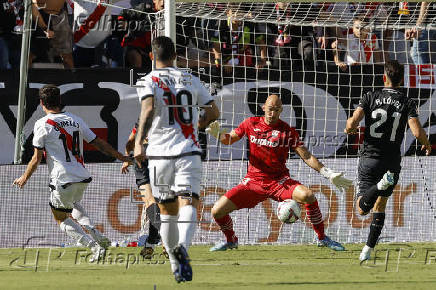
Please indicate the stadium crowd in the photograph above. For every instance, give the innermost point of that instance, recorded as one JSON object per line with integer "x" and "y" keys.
{"x": 82, "y": 33}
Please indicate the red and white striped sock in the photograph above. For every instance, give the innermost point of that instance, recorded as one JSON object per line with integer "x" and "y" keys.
{"x": 226, "y": 226}
{"x": 315, "y": 217}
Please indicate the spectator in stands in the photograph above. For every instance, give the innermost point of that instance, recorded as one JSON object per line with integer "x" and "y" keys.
{"x": 344, "y": 13}
{"x": 92, "y": 25}
{"x": 192, "y": 42}
{"x": 11, "y": 15}
{"x": 137, "y": 38}
{"x": 52, "y": 18}
{"x": 234, "y": 43}
{"x": 328, "y": 38}
{"x": 294, "y": 44}
{"x": 420, "y": 51}
{"x": 283, "y": 53}
{"x": 113, "y": 54}
{"x": 377, "y": 13}
{"x": 360, "y": 47}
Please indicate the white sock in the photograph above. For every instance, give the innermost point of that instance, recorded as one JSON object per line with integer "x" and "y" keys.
{"x": 144, "y": 221}
{"x": 367, "y": 248}
{"x": 76, "y": 232}
{"x": 81, "y": 216}
{"x": 187, "y": 225}
{"x": 170, "y": 237}
{"x": 381, "y": 185}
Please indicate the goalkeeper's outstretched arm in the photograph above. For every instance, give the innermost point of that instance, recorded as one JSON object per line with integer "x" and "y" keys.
{"x": 308, "y": 158}
{"x": 313, "y": 162}
{"x": 211, "y": 113}
{"x": 221, "y": 135}
{"x": 229, "y": 138}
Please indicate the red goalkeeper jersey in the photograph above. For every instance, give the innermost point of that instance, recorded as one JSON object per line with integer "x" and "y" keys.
{"x": 269, "y": 146}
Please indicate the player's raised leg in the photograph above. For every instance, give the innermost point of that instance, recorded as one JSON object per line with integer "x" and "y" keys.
{"x": 374, "y": 180}
{"x": 368, "y": 200}
{"x": 220, "y": 212}
{"x": 304, "y": 195}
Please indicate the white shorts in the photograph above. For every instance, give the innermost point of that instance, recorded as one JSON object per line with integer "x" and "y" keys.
{"x": 172, "y": 177}
{"x": 64, "y": 198}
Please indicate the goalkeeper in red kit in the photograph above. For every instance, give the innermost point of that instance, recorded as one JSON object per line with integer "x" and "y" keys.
{"x": 268, "y": 177}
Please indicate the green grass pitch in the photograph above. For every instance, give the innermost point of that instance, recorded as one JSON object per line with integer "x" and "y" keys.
{"x": 398, "y": 266}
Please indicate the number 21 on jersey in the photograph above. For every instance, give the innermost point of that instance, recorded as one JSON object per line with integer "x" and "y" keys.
{"x": 383, "y": 115}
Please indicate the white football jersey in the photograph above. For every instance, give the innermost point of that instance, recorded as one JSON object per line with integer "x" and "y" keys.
{"x": 61, "y": 135}
{"x": 174, "y": 129}
{"x": 359, "y": 51}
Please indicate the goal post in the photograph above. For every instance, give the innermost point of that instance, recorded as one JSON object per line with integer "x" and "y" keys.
{"x": 25, "y": 49}
{"x": 170, "y": 19}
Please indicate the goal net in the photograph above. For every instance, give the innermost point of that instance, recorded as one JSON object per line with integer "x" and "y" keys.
{"x": 320, "y": 58}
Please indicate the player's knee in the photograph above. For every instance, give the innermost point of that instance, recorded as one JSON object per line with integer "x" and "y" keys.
{"x": 379, "y": 208}
{"x": 189, "y": 200}
{"x": 380, "y": 205}
{"x": 60, "y": 216}
{"x": 362, "y": 207}
{"x": 308, "y": 196}
{"x": 215, "y": 211}
{"x": 218, "y": 211}
{"x": 362, "y": 212}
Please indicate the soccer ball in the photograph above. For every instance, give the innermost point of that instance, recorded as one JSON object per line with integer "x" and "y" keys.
{"x": 288, "y": 211}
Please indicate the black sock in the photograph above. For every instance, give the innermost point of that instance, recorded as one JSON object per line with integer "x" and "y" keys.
{"x": 153, "y": 215}
{"x": 369, "y": 198}
{"x": 378, "y": 220}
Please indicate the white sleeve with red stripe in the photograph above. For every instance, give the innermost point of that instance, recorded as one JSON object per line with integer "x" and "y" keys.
{"x": 146, "y": 88}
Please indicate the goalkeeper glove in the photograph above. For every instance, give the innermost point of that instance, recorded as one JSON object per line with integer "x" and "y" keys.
{"x": 336, "y": 178}
{"x": 215, "y": 130}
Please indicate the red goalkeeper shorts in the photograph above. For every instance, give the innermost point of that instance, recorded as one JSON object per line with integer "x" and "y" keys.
{"x": 251, "y": 191}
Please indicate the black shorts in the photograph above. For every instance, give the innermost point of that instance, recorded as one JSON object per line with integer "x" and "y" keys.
{"x": 142, "y": 174}
{"x": 371, "y": 170}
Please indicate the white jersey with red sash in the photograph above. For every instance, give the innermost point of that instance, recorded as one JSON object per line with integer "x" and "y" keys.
{"x": 61, "y": 135}
{"x": 177, "y": 95}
